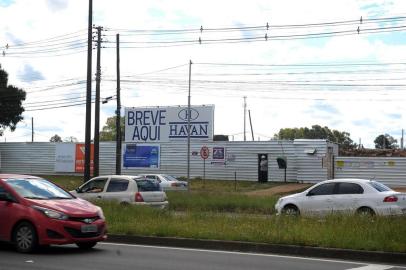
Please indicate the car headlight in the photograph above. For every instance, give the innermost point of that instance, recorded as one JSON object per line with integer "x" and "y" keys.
{"x": 51, "y": 213}
{"x": 100, "y": 213}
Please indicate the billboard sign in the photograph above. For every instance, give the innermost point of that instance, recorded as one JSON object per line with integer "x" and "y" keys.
{"x": 70, "y": 157}
{"x": 141, "y": 156}
{"x": 164, "y": 124}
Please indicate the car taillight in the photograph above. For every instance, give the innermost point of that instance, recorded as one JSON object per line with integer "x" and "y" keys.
{"x": 138, "y": 197}
{"x": 390, "y": 199}
{"x": 174, "y": 184}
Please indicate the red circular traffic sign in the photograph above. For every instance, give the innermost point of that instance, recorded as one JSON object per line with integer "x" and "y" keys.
{"x": 204, "y": 152}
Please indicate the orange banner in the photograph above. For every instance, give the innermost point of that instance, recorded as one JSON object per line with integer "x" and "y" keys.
{"x": 80, "y": 158}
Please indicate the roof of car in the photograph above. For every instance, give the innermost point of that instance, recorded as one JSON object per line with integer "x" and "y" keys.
{"x": 349, "y": 180}
{"x": 18, "y": 176}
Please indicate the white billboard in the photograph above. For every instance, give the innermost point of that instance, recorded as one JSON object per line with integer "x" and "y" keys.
{"x": 64, "y": 157}
{"x": 163, "y": 124}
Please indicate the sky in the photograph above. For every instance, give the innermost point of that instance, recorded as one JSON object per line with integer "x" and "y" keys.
{"x": 298, "y": 63}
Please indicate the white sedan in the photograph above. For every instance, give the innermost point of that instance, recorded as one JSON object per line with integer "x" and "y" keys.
{"x": 344, "y": 196}
{"x": 126, "y": 189}
{"x": 167, "y": 182}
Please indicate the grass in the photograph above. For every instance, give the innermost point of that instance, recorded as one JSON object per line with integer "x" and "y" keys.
{"x": 221, "y": 202}
{"x": 350, "y": 232}
{"x": 215, "y": 210}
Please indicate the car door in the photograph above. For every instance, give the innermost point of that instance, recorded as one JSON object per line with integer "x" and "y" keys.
{"x": 8, "y": 214}
{"x": 93, "y": 189}
{"x": 318, "y": 200}
{"x": 119, "y": 189}
{"x": 347, "y": 197}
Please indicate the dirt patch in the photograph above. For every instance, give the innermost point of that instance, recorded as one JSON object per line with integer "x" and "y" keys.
{"x": 282, "y": 189}
{"x": 400, "y": 189}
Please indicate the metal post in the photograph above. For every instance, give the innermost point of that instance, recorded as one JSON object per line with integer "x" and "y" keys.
{"x": 32, "y": 129}
{"x": 118, "y": 113}
{"x": 188, "y": 123}
{"x": 88, "y": 94}
{"x": 235, "y": 181}
{"x": 252, "y": 129}
{"x": 245, "y": 116}
{"x": 97, "y": 109}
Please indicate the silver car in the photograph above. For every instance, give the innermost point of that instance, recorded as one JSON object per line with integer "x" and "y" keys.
{"x": 126, "y": 189}
{"x": 168, "y": 182}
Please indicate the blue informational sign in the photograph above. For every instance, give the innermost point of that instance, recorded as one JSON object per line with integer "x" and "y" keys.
{"x": 141, "y": 156}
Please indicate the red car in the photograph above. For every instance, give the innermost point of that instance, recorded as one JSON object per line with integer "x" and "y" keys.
{"x": 34, "y": 212}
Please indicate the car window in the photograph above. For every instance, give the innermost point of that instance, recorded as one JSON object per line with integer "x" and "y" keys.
{"x": 117, "y": 185}
{"x": 148, "y": 185}
{"x": 379, "y": 186}
{"x": 151, "y": 176}
{"x": 349, "y": 188}
{"x": 94, "y": 186}
{"x": 169, "y": 177}
{"x": 323, "y": 189}
{"x": 40, "y": 189}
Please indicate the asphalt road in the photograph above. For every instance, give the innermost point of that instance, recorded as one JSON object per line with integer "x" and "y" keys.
{"x": 135, "y": 257}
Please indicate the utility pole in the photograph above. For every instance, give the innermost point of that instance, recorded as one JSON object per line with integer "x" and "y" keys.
{"x": 402, "y": 139}
{"x": 245, "y": 116}
{"x": 32, "y": 129}
{"x": 252, "y": 130}
{"x": 97, "y": 108}
{"x": 188, "y": 123}
{"x": 118, "y": 113}
{"x": 88, "y": 93}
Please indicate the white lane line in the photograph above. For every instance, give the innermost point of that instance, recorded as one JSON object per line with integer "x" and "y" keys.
{"x": 250, "y": 254}
{"x": 373, "y": 267}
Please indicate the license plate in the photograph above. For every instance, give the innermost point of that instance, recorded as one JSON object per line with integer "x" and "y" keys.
{"x": 88, "y": 228}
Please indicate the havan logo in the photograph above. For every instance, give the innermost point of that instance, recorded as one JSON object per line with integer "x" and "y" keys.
{"x": 180, "y": 129}
{"x": 184, "y": 114}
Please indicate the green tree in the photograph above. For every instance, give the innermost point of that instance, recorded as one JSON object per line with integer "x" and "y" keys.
{"x": 55, "y": 138}
{"x": 11, "y": 99}
{"x": 108, "y": 132}
{"x": 385, "y": 141}
{"x": 317, "y": 132}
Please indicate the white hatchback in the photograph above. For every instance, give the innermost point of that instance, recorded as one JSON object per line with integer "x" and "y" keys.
{"x": 344, "y": 196}
{"x": 126, "y": 189}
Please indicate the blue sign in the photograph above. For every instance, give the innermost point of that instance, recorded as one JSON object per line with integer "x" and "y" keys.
{"x": 141, "y": 156}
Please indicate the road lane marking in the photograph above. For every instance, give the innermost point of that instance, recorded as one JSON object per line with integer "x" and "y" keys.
{"x": 244, "y": 253}
{"x": 373, "y": 267}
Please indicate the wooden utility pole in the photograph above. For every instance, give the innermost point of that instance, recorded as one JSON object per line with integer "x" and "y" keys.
{"x": 88, "y": 94}
{"x": 188, "y": 123}
{"x": 97, "y": 108}
{"x": 118, "y": 113}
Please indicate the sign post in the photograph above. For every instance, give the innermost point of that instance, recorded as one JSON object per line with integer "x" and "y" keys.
{"x": 204, "y": 153}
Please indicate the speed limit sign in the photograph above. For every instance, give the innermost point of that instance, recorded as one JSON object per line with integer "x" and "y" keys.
{"x": 204, "y": 152}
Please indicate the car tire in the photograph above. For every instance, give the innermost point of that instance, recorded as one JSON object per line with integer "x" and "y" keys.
{"x": 365, "y": 212}
{"x": 290, "y": 210}
{"x": 25, "y": 237}
{"x": 86, "y": 245}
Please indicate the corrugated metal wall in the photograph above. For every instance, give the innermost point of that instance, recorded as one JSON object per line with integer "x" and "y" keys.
{"x": 388, "y": 170}
{"x": 39, "y": 158}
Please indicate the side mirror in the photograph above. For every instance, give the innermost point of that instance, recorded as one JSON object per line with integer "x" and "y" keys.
{"x": 310, "y": 193}
{"x": 4, "y": 196}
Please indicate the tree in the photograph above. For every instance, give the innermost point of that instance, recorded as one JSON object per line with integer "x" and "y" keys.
{"x": 55, "y": 138}
{"x": 385, "y": 142}
{"x": 220, "y": 138}
{"x": 317, "y": 132}
{"x": 11, "y": 99}
{"x": 108, "y": 132}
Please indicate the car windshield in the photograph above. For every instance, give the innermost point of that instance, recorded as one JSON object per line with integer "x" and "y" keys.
{"x": 169, "y": 177}
{"x": 39, "y": 189}
{"x": 147, "y": 185}
{"x": 379, "y": 186}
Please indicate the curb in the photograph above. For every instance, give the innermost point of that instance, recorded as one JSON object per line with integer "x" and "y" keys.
{"x": 291, "y": 250}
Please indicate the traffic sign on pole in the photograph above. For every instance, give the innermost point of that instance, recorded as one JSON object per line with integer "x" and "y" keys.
{"x": 204, "y": 152}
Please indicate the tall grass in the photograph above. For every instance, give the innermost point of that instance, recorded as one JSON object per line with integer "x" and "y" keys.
{"x": 221, "y": 202}
{"x": 351, "y": 232}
